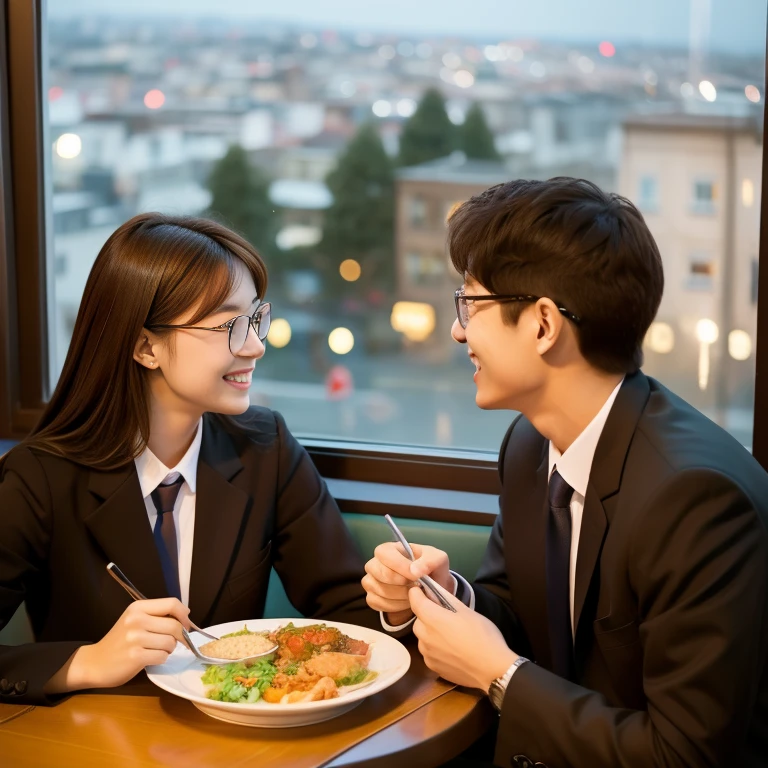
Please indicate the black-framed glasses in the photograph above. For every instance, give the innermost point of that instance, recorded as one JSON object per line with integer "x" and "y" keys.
{"x": 462, "y": 312}
{"x": 238, "y": 327}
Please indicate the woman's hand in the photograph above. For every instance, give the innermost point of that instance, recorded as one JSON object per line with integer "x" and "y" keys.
{"x": 390, "y": 574}
{"x": 145, "y": 634}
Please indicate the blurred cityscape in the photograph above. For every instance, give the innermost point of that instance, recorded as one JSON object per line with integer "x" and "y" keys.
{"x": 341, "y": 154}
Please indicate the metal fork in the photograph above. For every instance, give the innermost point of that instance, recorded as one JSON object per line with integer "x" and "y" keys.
{"x": 426, "y": 582}
{"x": 128, "y": 586}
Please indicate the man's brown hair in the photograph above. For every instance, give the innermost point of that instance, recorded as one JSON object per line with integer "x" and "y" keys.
{"x": 567, "y": 240}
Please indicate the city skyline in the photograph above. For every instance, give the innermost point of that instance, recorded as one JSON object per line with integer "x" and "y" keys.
{"x": 730, "y": 25}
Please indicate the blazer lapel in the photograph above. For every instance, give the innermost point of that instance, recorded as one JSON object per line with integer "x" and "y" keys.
{"x": 220, "y": 510}
{"x": 525, "y": 530}
{"x": 120, "y": 526}
{"x": 605, "y": 480}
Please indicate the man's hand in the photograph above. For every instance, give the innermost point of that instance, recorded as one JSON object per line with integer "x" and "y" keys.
{"x": 145, "y": 634}
{"x": 463, "y": 647}
{"x": 390, "y": 574}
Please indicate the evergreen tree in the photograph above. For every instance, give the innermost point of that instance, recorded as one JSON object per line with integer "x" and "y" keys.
{"x": 359, "y": 224}
{"x": 240, "y": 199}
{"x": 475, "y": 137}
{"x": 429, "y": 133}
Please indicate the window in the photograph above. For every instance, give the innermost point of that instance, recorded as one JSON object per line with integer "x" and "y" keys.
{"x": 139, "y": 113}
{"x": 417, "y": 212}
{"x": 703, "y": 197}
{"x": 648, "y": 194}
{"x": 701, "y": 270}
{"x": 424, "y": 268}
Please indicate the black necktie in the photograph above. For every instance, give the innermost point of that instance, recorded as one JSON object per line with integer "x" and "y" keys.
{"x": 164, "y": 498}
{"x": 558, "y": 575}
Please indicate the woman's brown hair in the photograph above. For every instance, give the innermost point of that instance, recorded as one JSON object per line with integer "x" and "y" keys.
{"x": 152, "y": 270}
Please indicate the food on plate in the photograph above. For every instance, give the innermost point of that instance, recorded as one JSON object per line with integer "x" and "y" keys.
{"x": 237, "y": 646}
{"x": 311, "y": 664}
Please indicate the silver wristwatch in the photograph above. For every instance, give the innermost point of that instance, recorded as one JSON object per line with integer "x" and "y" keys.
{"x": 499, "y": 685}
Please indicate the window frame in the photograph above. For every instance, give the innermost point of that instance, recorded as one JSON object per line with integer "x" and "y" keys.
{"x": 24, "y": 377}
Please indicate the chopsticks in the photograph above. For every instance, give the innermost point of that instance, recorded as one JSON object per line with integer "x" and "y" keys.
{"x": 426, "y": 583}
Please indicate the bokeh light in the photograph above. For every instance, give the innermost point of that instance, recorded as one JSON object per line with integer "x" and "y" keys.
{"x": 707, "y": 90}
{"x": 154, "y": 99}
{"x": 707, "y": 331}
{"x": 341, "y": 340}
{"x": 414, "y": 319}
{"x": 739, "y": 345}
{"x": 350, "y": 270}
{"x": 279, "y": 333}
{"x": 660, "y": 338}
{"x": 752, "y": 92}
{"x": 607, "y": 49}
{"x": 68, "y": 145}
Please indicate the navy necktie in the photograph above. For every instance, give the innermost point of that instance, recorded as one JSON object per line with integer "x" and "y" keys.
{"x": 558, "y": 575}
{"x": 164, "y": 498}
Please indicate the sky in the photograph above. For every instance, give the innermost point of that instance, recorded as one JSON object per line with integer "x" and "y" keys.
{"x": 734, "y": 25}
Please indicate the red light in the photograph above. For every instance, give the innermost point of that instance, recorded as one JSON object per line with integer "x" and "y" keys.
{"x": 154, "y": 99}
{"x": 606, "y": 49}
{"x": 55, "y": 92}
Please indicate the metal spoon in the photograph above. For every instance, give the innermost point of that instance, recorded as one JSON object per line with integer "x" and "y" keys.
{"x": 128, "y": 586}
{"x": 223, "y": 662}
{"x": 426, "y": 582}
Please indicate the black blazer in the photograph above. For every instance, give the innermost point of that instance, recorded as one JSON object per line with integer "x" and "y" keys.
{"x": 671, "y": 596}
{"x": 260, "y": 503}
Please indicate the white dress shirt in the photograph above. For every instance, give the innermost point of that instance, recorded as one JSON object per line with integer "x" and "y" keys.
{"x": 151, "y": 473}
{"x": 574, "y": 467}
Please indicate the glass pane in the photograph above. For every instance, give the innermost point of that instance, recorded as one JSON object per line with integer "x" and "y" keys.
{"x": 305, "y": 109}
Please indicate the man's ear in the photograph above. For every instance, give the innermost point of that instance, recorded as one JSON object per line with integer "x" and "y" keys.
{"x": 550, "y": 325}
{"x": 143, "y": 353}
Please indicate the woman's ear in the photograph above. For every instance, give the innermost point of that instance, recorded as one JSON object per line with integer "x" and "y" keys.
{"x": 143, "y": 352}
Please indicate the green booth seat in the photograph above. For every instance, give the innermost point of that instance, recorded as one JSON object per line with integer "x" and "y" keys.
{"x": 464, "y": 543}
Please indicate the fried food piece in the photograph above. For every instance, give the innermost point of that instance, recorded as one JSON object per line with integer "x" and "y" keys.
{"x": 336, "y": 665}
{"x": 324, "y": 689}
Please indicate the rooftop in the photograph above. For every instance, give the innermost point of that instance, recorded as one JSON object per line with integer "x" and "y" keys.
{"x": 685, "y": 121}
{"x": 457, "y": 168}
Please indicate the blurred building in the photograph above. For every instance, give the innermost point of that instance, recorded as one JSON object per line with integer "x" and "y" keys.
{"x": 696, "y": 180}
{"x": 425, "y": 196}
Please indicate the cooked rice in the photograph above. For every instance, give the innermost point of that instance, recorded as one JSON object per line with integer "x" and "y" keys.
{"x": 237, "y": 647}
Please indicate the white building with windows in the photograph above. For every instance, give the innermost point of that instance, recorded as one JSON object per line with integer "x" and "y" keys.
{"x": 696, "y": 179}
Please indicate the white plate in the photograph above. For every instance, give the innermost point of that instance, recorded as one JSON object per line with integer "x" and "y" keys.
{"x": 181, "y": 674}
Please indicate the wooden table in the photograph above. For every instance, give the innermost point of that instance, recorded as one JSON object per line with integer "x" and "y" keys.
{"x": 140, "y": 725}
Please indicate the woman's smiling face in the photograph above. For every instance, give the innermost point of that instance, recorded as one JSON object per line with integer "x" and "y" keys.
{"x": 194, "y": 370}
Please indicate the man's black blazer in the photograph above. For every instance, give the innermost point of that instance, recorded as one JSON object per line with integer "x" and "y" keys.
{"x": 260, "y": 503}
{"x": 671, "y": 596}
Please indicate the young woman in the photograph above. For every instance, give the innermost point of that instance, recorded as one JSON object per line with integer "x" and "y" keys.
{"x": 149, "y": 456}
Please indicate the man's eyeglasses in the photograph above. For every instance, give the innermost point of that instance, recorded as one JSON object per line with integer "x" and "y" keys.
{"x": 462, "y": 312}
{"x": 237, "y": 327}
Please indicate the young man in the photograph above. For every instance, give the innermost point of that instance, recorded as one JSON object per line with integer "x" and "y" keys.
{"x": 621, "y": 612}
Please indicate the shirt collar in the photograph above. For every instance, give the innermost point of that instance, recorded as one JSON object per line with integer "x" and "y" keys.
{"x": 576, "y": 463}
{"x": 152, "y": 471}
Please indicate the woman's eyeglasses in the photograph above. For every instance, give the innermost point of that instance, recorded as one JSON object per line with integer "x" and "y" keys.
{"x": 462, "y": 311}
{"x": 238, "y": 327}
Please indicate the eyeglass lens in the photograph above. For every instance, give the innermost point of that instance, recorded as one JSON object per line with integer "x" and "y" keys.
{"x": 462, "y": 311}
{"x": 238, "y": 333}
